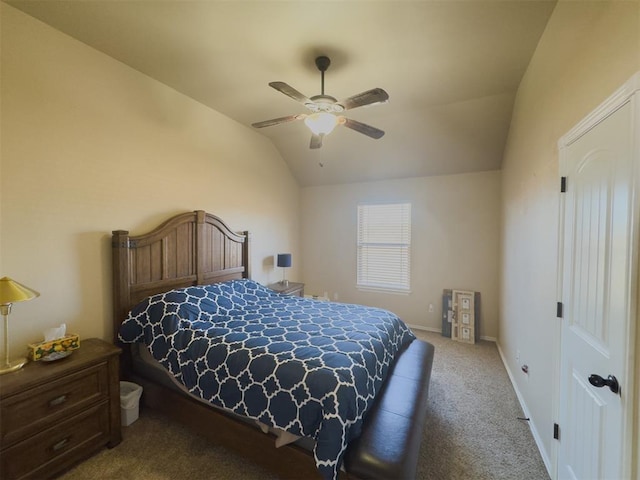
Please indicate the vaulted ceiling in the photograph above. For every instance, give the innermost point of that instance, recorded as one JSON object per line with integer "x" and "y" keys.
{"x": 451, "y": 69}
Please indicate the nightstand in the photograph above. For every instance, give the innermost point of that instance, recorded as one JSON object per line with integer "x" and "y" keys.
{"x": 292, "y": 288}
{"x": 53, "y": 414}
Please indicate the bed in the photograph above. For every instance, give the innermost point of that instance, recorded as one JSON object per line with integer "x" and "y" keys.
{"x": 327, "y": 373}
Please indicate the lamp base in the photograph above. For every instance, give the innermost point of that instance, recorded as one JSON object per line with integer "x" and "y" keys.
{"x": 13, "y": 366}
{"x": 284, "y": 282}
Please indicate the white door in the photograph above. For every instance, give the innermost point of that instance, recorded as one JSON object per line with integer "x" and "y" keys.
{"x": 598, "y": 277}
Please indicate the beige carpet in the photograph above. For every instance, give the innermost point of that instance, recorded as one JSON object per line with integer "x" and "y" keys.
{"x": 472, "y": 432}
{"x": 472, "y": 429}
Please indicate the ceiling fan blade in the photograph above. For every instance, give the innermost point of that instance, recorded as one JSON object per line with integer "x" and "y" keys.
{"x": 368, "y": 130}
{"x": 316, "y": 141}
{"x": 375, "y": 95}
{"x": 278, "y": 121}
{"x": 289, "y": 91}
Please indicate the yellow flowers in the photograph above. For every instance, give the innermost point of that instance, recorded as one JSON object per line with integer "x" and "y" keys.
{"x": 65, "y": 344}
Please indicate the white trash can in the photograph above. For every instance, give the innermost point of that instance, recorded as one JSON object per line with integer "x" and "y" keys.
{"x": 130, "y": 394}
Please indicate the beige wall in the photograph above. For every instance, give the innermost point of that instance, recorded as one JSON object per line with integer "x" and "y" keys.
{"x": 90, "y": 145}
{"x": 587, "y": 51}
{"x": 454, "y": 244}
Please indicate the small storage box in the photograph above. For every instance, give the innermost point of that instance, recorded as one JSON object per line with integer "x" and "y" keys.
{"x": 130, "y": 394}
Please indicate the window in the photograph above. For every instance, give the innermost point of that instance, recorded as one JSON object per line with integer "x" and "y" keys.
{"x": 384, "y": 240}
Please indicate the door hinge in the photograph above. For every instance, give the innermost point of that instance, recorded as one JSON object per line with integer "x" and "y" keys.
{"x": 559, "y": 310}
{"x": 563, "y": 184}
{"x": 556, "y": 431}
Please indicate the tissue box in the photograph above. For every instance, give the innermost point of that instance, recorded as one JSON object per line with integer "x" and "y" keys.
{"x": 68, "y": 343}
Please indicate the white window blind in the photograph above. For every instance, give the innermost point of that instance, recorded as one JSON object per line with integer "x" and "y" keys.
{"x": 384, "y": 241}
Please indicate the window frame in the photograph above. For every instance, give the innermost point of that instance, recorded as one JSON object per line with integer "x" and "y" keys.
{"x": 402, "y": 245}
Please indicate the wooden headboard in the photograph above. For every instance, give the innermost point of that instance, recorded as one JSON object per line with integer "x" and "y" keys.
{"x": 193, "y": 248}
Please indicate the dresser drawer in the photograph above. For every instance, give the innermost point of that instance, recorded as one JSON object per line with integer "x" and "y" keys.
{"x": 57, "y": 447}
{"x": 35, "y": 409}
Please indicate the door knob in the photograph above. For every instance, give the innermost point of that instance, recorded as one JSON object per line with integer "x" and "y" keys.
{"x": 610, "y": 381}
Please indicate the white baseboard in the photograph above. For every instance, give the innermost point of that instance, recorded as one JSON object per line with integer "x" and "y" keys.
{"x": 439, "y": 330}
{"x": 532, "y": 427}
{"x": 425, "y": 329}
{"x": 489, "y": 339}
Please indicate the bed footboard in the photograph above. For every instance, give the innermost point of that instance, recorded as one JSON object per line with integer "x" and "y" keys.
{"x": 393, "y": 429}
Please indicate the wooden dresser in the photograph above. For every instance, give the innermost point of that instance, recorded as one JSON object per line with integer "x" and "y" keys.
{"x": 54, "y": 414}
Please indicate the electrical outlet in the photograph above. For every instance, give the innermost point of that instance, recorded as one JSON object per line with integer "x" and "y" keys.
{"x": 518, "y": 355}
{"x": 431, "y": 308}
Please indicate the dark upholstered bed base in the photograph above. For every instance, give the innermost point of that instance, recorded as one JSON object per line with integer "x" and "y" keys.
{"x": 390, "y": 442}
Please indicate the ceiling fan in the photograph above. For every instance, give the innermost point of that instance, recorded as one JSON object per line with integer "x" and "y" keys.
{"x": 325, "y": 109}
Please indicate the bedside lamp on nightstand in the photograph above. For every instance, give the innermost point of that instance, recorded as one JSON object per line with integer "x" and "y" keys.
{"x": 284, "y": 261}
{"x": 10, "y": 293}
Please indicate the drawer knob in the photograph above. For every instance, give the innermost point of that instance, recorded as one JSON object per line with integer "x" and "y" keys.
{"x": 58, "y": 400}
{"x": 61, "y": 444}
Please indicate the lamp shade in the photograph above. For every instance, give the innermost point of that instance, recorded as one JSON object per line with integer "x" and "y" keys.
{"x": 12, "y": 292}
{"x": 321, "y": 123}
{"x": 284, "y": 259}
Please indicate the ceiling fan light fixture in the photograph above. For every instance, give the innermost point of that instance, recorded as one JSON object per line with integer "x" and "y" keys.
{"x": 321, "y": 123}
{"x": 326, "y": 110}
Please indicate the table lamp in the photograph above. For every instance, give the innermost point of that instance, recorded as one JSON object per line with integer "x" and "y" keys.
{"x": 10, "y": 293}
{"x": 284, "y": 261}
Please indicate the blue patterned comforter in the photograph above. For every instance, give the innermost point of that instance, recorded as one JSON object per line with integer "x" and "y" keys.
{"x": 308, "y": 367}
